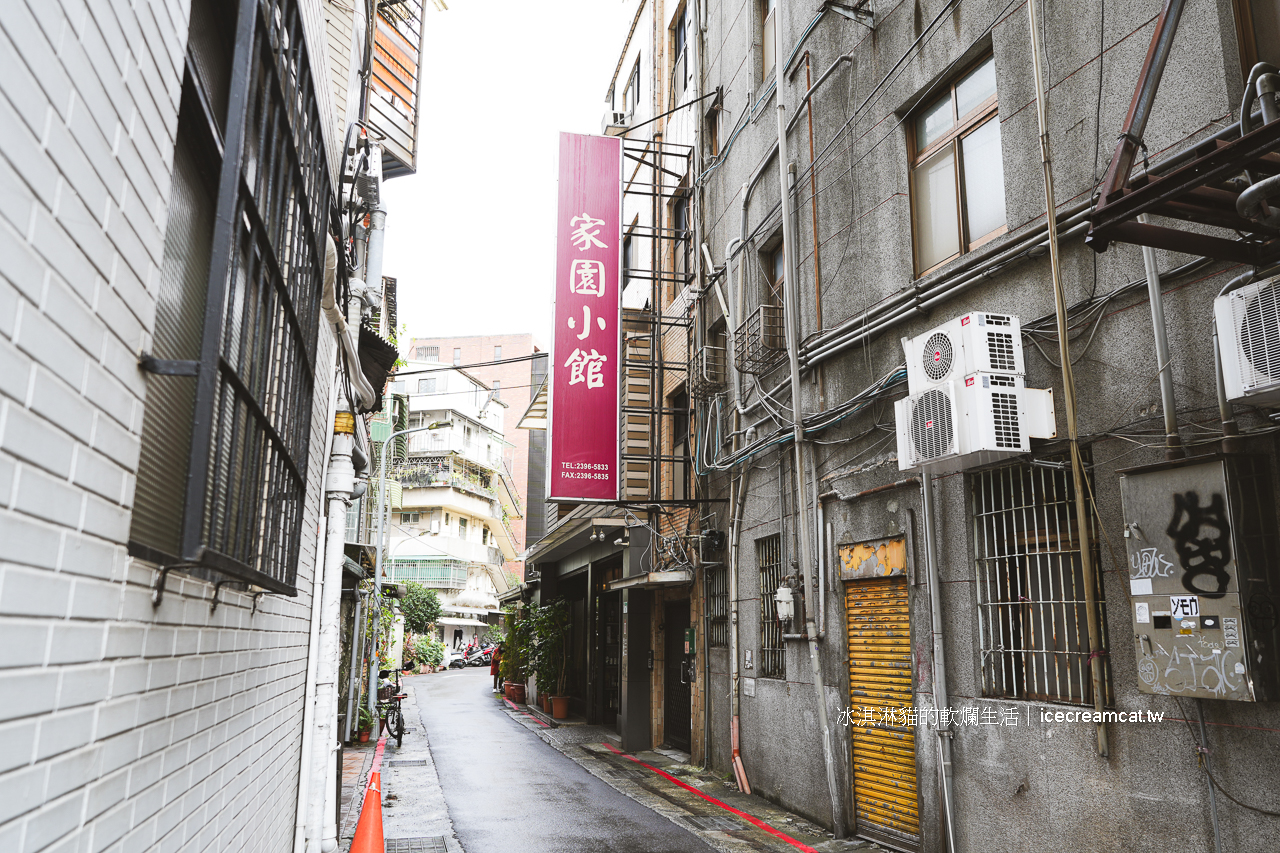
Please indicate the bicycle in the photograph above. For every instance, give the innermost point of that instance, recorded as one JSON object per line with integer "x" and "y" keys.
{"x": 389, "y": 711}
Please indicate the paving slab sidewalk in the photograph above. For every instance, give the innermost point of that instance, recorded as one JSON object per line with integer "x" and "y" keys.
{"x": 414, "y": 815}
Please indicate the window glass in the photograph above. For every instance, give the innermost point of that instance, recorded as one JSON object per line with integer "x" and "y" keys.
{"x": 933, "y": 123}
{"x": 426, "y": 386}
{"x": 462, "y": 528}
{"x": 934, "y": 209}
{"x": 497, "y": 353}
{"x": 983, "y": 180}
{"x": 457, "y": 355}
{"x": 766, "y": 37}
{"x": 976, "y": 87}
{"x": 397, "y": 387}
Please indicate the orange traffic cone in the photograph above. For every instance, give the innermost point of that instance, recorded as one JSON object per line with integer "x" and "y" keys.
{"x": 368, "y": 837}
{"x": 369, "y": 830}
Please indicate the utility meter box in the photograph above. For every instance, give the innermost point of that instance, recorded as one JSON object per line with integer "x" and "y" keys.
{"x": 1204, "y": 573}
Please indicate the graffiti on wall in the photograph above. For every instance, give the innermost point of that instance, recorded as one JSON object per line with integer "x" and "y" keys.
{"x": 1201, "y": 539}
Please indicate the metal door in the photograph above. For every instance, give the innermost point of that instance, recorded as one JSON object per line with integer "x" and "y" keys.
{"x": 676, "y": 698}
{"x": 885, "y": 790}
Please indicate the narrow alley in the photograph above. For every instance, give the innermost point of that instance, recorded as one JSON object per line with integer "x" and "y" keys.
{"x": 489, "y": 775}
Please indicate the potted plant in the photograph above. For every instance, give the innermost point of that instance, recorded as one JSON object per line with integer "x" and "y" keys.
{"x": 515, "y": 656}
{"x": 366, "y": 724}
{"x": 553, "y": 656}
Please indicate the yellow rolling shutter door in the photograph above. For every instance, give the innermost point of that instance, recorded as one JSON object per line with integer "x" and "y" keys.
{"x": 885, "y": 789}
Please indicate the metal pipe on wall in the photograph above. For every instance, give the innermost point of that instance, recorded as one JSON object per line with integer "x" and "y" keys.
{"x": 1230, "y": 429}
{"x": 792, "y": 325}
{"x": 313, "y": 651}
{"x": 1096, "y": 647}
{"x": 940, "y": 699}
{"x": 322, "y": 830}
{"x": 353, "y": 669}
{"x": 1173, "y": 441}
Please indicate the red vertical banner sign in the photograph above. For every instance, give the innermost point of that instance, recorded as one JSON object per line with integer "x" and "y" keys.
{"x": 586, "y": 352}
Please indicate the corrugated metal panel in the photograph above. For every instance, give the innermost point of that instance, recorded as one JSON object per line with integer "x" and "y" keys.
{"x": 885, "y": 790}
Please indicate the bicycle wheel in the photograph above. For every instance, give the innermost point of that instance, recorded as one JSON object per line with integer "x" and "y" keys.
{"x": 399, "y": 727}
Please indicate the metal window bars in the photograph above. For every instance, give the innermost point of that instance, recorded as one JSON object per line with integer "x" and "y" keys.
{"x": 718, "y": 606}
{"x": 773, "y": 657}
{"x": 246, "y": 473}
{"x": 1030, "y": 587}
{"x": 760, "y": 340}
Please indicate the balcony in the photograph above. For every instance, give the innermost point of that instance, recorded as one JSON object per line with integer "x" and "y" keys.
{"x": 393, "y": 101}
{"x": 434, "y": 574}
{"x": 439, "y": 443}
{"x": 761, "y": 340}
{"x": 444, "y": 471}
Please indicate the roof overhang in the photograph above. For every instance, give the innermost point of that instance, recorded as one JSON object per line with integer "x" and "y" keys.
{"x": 653, "y": 580}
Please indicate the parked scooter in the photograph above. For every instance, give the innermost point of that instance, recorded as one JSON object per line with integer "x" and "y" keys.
{"x": 482, "y": 656}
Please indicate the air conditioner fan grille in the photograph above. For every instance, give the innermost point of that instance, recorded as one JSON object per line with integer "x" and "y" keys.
{"x": 1260, "y": 332}
{"x": 932, "y": 430}
{"x": 938, "y": 355}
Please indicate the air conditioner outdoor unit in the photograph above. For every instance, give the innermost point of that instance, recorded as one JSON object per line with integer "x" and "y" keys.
{"x": 435, "y": 526}
{"x": 615, "y": 122}
{"x": 970, "y": 422}
{"x": 977, "y": 342}
{"x": 1248, "y": 321}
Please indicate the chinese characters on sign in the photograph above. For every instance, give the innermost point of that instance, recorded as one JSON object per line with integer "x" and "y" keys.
{"x": 585, "y": 355}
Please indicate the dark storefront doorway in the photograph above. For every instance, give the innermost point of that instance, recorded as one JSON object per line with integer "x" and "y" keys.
{"x": 608, "y": 695}
{"x": 676, "y": 689}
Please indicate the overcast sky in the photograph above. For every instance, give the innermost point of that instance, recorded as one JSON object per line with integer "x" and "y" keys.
{"x": 471, "y": 236}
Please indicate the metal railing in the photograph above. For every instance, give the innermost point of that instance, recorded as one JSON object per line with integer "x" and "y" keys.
{"x": 760, "y": 342}
{"x": 707, "y": 372}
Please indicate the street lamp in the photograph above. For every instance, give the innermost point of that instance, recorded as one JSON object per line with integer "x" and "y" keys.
{"x": 377, "y": 565}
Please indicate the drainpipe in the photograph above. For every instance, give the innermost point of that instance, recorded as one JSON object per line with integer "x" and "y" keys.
{"x": 1096, "y": 648}
{"x": 737, "y": 497}
{"x": 792, "y": 317}
{"x": 1208, "y": 769}
{"x": 940, "y": 699}
{"x": 305, "y": 784}
{"x": 1230, "y": 430}
{"x": 322, "y": 829}
{"x": 353, "y": 669}
{"x": 1173, "y": 441}
{"x": 735, "y": 694}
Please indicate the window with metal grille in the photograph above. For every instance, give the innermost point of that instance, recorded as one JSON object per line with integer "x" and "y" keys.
{"x": 773, "y": 657}
{"x": 1031, "y": 600}
{"x": 227, "y": 426}
{"x": 718, "y": 606}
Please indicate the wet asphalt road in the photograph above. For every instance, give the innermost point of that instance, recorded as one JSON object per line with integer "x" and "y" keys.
{"x": 507, "y": 790}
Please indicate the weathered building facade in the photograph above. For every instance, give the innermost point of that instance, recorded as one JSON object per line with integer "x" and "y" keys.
{"x": 960, "y": 627}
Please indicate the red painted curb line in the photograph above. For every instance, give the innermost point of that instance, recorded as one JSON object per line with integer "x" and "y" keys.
{"x": 526, "y": 713}
{"x": 749, "y": 818}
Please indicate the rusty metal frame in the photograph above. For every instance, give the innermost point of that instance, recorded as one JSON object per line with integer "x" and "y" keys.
{"x": 1195, "y": 189}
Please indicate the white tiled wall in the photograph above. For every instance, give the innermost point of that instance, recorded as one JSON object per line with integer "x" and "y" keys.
{"x": 125, "y": 727}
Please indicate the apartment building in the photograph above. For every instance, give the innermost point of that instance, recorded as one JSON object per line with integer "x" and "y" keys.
{"x": 168, "y": 415}
{"x": 505, "y": 363}
{"x": 958, "y": 605}
{"x": 453, "y": 530}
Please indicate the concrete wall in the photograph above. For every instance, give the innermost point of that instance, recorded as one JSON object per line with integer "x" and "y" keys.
{"x": 1037, "y": 786}
{"x": 127, "y": 727}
